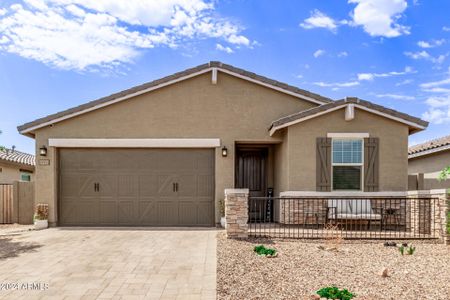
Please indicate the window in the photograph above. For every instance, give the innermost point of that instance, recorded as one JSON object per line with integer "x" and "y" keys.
{"x": 25, "y": 177}
{"x": 347, "y": 164}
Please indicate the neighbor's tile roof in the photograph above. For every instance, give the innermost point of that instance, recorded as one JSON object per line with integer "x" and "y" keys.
{"x": 15, "y": 156}
{"x": 429, "y": 147}
{"x": 169, "y": 78}
{"x": 325, "y": 107}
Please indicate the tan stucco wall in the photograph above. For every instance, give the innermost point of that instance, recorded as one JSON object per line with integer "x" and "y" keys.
{"x": 10, "y": 173}
{"x": 393, "y": 152}
{"x": 233, "y": 110}
{"x": 430, "y": 165}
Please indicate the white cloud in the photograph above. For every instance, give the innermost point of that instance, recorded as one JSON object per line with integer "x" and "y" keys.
{"x": 3, "y": 11}
{"x": 371, "y": 76}
{"x": 439, "y": 109}
{"x": 336, "y": 84}
{"x": 342, "y": 54}
{"x": 435, "y": 83}
{"x": 426, "y": 56}
{"x": 318, "y": 53}
{"x": 446, "y": 28}
{"x": 85, "y": 34}
{"x": 224, "y": 48}
{"x": 437, "y": 90}
{"x": 320, "y": 20}
{"x": 404, "y": 82}
{"x": 430, "y": 44}
{"x": 299, "y": 76}
{"x": 395, "y": 96}
{"x": 380, "y": 17}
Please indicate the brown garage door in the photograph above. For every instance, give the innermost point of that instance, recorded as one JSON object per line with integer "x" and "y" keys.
{"x": 132, "y": 187}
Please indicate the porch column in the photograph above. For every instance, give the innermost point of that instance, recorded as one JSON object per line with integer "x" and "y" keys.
{"x": 236, "y": 213}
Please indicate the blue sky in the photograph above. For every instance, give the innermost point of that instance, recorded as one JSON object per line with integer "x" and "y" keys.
{"x": 55, "y": 54}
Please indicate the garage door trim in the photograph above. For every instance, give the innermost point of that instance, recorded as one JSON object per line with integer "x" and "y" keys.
{"x": 135, "y": 143}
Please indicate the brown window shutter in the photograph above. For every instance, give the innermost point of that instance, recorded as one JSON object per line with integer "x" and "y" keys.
{"x": 323, "y": 164}
{"x": 371, "y": 164}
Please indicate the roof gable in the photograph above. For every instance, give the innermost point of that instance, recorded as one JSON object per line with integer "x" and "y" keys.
{"x": 415, "y": 124}
{"x": 213, "y": 67}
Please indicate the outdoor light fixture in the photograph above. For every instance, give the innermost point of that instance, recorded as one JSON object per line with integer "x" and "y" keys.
{"x": 43, "y": 151}
{"x": 224, "y": 151}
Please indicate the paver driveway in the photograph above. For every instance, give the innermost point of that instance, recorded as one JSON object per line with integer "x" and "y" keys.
{"x": 112, "y": 263}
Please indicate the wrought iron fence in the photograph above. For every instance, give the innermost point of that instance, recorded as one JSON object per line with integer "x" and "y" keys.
{"x": 349, "y": 217}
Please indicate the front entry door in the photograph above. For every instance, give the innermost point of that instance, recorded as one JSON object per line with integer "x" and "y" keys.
{"x": 251, "y": 170}
{"x": 251, "y": 173}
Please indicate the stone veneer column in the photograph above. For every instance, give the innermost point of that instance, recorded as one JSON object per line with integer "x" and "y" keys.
{"x": 236, "y": 213}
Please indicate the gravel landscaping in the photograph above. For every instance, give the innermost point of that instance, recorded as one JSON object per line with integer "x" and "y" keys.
{"x": 302, "y": 268}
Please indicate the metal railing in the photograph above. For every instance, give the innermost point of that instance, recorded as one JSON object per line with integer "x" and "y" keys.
{"x": 349, "y": 217}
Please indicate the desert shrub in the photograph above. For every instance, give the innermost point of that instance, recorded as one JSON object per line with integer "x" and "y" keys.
{"x": 261, "y": 250}
{"x": 332, "y": 292}
{"x": 41, "y": 212}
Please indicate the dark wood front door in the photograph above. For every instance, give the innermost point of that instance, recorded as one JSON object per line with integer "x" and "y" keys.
{"x": 251, "y": 170}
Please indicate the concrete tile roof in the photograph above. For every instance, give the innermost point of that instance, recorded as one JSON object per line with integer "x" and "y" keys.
{"x": 432, "y": 146}
{"x": 18, "y": 157}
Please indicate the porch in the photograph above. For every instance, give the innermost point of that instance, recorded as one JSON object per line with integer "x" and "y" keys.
{"x": 412, "y": 216}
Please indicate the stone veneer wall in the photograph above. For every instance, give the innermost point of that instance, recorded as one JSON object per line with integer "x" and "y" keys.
{"x": 236, "y": 213}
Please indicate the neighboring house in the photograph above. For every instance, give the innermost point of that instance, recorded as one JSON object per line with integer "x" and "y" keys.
{"x": 162, "y": 153}
{"x": 429, "y": 159}
{"x": 15, "y": 166}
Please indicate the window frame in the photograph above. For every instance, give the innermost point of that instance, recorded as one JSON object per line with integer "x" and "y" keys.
{"x": 25, "y": 174}
{"x": 347, "y": 164}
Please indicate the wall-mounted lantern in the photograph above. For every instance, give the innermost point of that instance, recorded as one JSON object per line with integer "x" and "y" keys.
{"x": 43, "y": 151}
{"x": 224, "y": 151}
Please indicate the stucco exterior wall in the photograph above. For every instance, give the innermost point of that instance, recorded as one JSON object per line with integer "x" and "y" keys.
{"x": 393, "y": 151}
{"x": 233, "y": 110}
{"x": 430, "y": 165}
{"x": 10, "y": 173}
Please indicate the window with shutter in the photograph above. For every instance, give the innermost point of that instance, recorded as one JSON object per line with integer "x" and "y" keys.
{"x": 347, "y": 163}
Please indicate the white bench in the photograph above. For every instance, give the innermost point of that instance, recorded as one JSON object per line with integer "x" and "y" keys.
{"x": 353, "y": 209}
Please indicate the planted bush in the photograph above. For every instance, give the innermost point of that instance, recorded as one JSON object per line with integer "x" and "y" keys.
{"x": 262, "y": 250}
{"x": 333, "y": 292}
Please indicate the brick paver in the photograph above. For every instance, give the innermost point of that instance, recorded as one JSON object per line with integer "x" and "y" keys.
{"x": 113, "y": 263}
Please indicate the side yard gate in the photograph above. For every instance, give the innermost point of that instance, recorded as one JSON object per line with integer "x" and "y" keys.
{"x": 17, "y": 203}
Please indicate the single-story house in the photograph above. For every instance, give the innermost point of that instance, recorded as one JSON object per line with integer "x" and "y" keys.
{"x": 426, "y": 161}
{"x": 162, "y": 153}
{"x": 15, "y": 166}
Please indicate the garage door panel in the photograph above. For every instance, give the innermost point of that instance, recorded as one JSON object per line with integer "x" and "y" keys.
{"x": 148, "y": 185}
{"x": 168, "y": 212}
{"x": 165, "y": 185}
{"x": 148, "y": 213}
{"x": 188, "y": 212}
{"x": 108, "y": 213}
{"x": 126, "y": 212}
{"x": 187, "y": 185}
{"x": 127, "y": 185}
{"x": 205, "y": 208}
{"x": 136, "y": 187}
{"x": 205, "y": 185}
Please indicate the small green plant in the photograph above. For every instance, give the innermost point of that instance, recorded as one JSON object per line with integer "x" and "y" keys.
{"x": 407, "y": 249}
{"x": 445, "y": 173}
{"x": 332, "y": 292}
{"x": 448, "y": 222}
{"x": 261, "y": 250}
{"x": 222, "y": 207}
